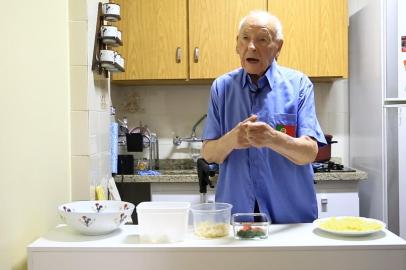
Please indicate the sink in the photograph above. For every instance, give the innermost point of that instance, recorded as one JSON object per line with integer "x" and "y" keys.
{"x": 178, "y": 172}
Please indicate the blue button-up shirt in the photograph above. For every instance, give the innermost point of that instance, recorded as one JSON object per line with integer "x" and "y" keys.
{"x": 282, "y": 189}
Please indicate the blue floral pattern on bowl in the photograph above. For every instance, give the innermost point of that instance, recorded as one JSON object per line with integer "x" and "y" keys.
{"x": 66, "y": 209}
{"x": 98, "y": 207}
{"x": 121, "y": 218}
{"x": 125, "y": 207}
{"x": 86, "y": 221}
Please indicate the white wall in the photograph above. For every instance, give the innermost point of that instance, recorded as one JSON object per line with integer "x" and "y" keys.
{"x": 34, "y": 138}
{"x": 171, "y": 110}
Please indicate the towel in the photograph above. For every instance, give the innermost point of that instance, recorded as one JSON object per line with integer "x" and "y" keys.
{"x": 115, "y": 195}
{"x": 148, "y": 172}
{"x": 114, "y": 146}
{"x": 113, "y": 191}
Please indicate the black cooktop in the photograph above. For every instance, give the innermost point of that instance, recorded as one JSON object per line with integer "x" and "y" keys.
{"x": 330, "y": 166}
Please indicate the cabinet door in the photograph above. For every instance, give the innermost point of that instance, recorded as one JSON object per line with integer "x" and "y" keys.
{"x": 334, "y": 204}
{"x": 152, "y": 32}
{"x": 180, "y": 192}
{"x": 213, "y": 28}
{"x": 315, "y": 36}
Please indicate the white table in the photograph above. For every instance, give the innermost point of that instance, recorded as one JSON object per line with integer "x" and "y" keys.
{"x": 294, "y": 246}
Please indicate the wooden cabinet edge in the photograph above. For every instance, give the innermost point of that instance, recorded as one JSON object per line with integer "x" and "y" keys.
{"x": 314, "y": 79}
{"x": 163, "y": 82}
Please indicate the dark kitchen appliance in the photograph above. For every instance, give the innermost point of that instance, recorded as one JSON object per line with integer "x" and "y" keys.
{"x": 330, "y": 166}
{"x": 135, "y": 142}
{"x": 125, "y": 164}
{"x": 205, "y": 170}
{"x": 324, "y": 153}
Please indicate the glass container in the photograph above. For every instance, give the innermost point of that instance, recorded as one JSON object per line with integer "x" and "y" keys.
{"x": 250, "y": 225}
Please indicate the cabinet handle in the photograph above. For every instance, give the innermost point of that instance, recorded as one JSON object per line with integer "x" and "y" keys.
{"x": 178, "y": 55}
{"x": 196, "y": 55}
{"x": 324, "y": 203}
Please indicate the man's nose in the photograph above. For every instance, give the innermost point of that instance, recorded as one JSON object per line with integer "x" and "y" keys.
{"x": 251, "y": 45}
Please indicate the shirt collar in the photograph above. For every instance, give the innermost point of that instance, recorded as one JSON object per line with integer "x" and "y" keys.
{"x": 269, "y": 78}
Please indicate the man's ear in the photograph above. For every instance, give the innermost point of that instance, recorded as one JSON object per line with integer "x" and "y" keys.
{"x": 279, "y": 48}
{"x": 236, "y": 45}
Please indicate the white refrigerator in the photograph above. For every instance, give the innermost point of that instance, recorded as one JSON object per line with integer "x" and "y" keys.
{"x": 377, "y": 92}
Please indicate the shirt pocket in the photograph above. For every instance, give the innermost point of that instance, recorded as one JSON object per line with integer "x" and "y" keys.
{"x": 283, "y": 122}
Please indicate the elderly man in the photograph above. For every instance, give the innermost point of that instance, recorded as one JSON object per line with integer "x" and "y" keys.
{"x": 262, "y": 129}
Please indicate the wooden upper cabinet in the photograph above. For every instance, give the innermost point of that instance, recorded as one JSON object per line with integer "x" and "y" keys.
{"x": 196, "y": 39}
{"x": 315, "y": 36}
{"x": 213, "y": 28}
{"x": 153, "y": 32}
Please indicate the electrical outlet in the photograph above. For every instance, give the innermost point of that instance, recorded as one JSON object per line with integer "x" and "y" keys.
{"x": 103, "y": 102}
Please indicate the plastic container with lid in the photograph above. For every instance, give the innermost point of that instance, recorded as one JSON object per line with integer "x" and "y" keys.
{"x": 211, "y": 220}
{"x": 250, "y": 225}
{"x": 161, "y": 222}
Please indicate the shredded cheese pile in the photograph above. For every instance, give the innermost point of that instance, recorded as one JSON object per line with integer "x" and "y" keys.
{"x": 211, "y": 230}
{"x": 352, "y": 224}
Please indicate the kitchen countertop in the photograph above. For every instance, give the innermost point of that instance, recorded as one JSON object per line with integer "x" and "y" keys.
{"x": 190, "y": 176}
{"x": 291, "y": 246}
{"x": 185, "y": 172}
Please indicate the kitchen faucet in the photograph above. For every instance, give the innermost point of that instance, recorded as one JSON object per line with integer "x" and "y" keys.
{"x": 178, "y": 140}
{"x": 122, "y": 131}
{"x": 123, "y": 125}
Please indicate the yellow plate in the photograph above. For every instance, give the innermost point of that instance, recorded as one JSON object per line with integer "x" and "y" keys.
{"x": 349, "y": 226}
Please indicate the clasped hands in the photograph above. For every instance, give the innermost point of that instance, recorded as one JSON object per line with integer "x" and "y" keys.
{"x": 253, "y": 133}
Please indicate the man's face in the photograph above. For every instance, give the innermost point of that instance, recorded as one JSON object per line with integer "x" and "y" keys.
{"x": 257, "y": 46}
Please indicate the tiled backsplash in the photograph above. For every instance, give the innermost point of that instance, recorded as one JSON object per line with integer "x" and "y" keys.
{"x": 90, "y": 105}
{"x": 171, "y": 110}
{"x": 332, "y": 107}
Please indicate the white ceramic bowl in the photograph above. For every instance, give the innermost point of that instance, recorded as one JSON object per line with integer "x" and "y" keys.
{"x": 95, "y": 217}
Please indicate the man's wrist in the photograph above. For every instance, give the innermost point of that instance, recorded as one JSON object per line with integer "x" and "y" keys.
{"x": 276, "y": 139}
{"x": 228, "y": 141}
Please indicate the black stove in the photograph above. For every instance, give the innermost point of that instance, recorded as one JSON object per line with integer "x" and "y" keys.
{"x": 330, "y": 166}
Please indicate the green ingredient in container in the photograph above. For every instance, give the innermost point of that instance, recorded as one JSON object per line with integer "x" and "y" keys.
{"x": 250, "y": 232}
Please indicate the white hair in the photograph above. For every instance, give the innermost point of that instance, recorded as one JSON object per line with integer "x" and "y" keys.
{"x": 267, "y": 17}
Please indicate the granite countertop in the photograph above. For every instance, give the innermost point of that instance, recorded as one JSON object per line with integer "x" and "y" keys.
{"x": 185, "y": 172}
